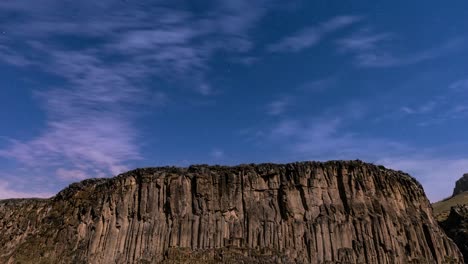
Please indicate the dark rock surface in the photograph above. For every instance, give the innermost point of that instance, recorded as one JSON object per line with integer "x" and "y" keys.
{"x": 461, "y": 185}
{"x": 456, "y": 227}
{"x": 307, "y": 212}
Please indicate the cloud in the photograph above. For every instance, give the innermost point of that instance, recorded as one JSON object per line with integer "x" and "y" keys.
{"x": 73, "y": 175}
{"x": 446, "y": 105}
{"x": 217, "y": 154}
{"x": 422, "y": 109}
{"x": 89, "y": 125}
{"x": 327, "y": 138}
{"x": 332, "y": 135}
{"x": 374, "y": 50}
{"x": 103, "y": 55}
{"x": 437, "y": 174}
{"x": 279, "y": 106}
{"x": 311, "y": 36}
{"x": 7, "y": 192}
{"x": 324, "y": 139}
{"x": 100, "y": 144}
{"x": 459, "y": 86}
{"x": 318, "y": 85}
{"x": 170, "y": 42}
{"x": 205, "y": 89}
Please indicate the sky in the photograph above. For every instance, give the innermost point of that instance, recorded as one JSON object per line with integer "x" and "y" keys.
{"x": 95, "y": 88}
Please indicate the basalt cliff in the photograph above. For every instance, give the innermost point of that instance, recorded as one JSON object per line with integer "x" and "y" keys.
{"x": 307, "y": 212}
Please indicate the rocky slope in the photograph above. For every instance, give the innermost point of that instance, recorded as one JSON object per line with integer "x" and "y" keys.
{"x": 308, "y": 212}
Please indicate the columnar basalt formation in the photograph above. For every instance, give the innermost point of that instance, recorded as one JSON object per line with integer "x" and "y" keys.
{"x": 307, "y": 212}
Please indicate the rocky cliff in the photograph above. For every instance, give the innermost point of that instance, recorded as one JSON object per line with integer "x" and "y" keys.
{"x": 456, "y": 227}
{"x": 452, "y": 214}
{"x": 308, "y": 212}
{"x": 461, "y": 185}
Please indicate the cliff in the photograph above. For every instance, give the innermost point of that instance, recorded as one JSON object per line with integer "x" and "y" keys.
{"x": 461, "y": 185}
{"x": 456, "y": 227}
{"x": 308, "y": 212}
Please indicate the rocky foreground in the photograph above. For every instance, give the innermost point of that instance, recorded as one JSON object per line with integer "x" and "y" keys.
{"x": 456, "y": 227}
{"x": 308, "y": 212}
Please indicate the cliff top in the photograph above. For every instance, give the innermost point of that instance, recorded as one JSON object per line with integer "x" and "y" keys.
{"x": 262, "y": 168}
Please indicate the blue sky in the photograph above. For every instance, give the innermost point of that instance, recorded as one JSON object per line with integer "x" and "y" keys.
{"x": 95, "y": 88}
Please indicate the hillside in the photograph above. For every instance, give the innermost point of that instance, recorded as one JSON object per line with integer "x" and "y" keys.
{"x": 442, "y": 208}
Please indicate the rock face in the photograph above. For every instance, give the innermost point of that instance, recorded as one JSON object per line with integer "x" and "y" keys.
{"x": 456, "y": 227}
{"x": 461, "y": 185}
{"x": 308, "y": 212}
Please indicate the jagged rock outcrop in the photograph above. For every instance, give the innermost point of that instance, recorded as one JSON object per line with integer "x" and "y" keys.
{"x": 452, "y": 214}
{"x": 461, "y": 185}
{"x": 307, "y": 212}
{"x": 456, "y": 227}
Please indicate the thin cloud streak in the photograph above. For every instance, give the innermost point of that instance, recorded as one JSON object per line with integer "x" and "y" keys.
{"x": 279, "y": 106}
{"x": 311, "y": 36}
{"x": 422, "y": 109}
{"x": 459, "y": 86}
{"x": 373, "y": 50}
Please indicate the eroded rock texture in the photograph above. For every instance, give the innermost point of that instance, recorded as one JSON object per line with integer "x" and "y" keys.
{"x": 309, "y": 212}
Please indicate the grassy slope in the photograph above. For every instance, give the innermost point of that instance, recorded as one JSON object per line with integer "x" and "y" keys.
{"x": 442, "y": 208}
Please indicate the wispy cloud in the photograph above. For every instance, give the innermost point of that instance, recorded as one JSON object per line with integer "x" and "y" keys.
{"x": 166, "y": 41}
{"x": 73, "y": 175}
{"x": 279, "y": 106}
{"x": 449, "y": 104}
{"x": 8, "y": 192}
{"x": 205, "y": 89}
{"x": 106, "y": 53}
{"x": 422, "y": 109}
{"x": 437, "y": 174}
{"x": 311, "y": 36}
{"x": 374, "y": 50}
{"x": 459, "y": 86}
{"x": 324, "y": 139}
{"x": 319, "y": 85}
{"x": 363, "y": 40}
{"x": 217, "y": 154}
{"x": 331, "y": 136}
{"x": 327, "y": 138}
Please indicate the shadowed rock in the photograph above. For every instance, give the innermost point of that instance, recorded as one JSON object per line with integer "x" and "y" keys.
{"x": 452, "y": 214}
{"x": 307, "y": 212}
{"x": 456, "y": 227}
{"x": 461, "y": 185}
